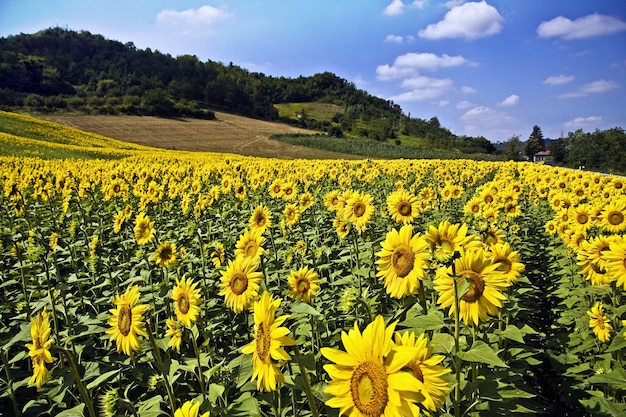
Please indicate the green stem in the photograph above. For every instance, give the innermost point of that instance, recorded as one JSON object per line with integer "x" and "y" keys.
{"x": 422, "y": 297}
{"x": 78, "y": 380}
{"x": 306, "y": 382}
{"x": 5, "y": 362}
{"x": 200, "y": 375}
{"x": 161, "y": 368}
{"x": 457, "y": 361}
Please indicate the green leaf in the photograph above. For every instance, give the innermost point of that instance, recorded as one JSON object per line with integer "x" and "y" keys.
{"x": 615, "y": 379}
{"x": 511, "y": 332}
{"x": 431, "y": 321}
{"x": 618, "y": 342}
{"x": 462, "y": 287}
{"x": 304, "y": 308}
{"x": 443, "y": 342}
{"x": 102, "y": 378}
{"x": 215, "y": 392}
{"x": 73, "y": 412}
{"x": 481, "y": 352}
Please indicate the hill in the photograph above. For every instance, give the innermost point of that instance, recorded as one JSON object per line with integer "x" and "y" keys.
{"x": 58, "y": 70}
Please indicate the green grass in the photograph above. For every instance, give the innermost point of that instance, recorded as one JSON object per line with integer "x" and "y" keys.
{"x": 380, "y": 150}
{"x": 318, "y": 111}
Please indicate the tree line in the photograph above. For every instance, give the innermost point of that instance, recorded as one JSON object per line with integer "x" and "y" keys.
{"x": 58, "y": 69}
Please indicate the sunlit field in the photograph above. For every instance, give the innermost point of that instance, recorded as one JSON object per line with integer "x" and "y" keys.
{"x": 168, "y": 283}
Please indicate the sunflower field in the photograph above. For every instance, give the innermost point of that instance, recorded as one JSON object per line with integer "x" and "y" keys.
{"x": 186, "y": 284}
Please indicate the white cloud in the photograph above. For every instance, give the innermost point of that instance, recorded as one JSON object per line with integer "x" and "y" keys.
{"x": 423, "y": 88}
{"x": 394, "y": 8}
{"x": 470, "y": 20}
{"x": 583, "y": 27}
{"x": 466, "y": 89}
{"x": 511, "y": 100}
{"x": 419, "y": 3}
{"x": 409, "y": 64}
{"x": 595, "y": 87}
{"x": 485, "y": 117}
{"x": 443, "y": 103}
{"x": 464, "y": 104}
{"x": 394, "y": 39}
{"x": 583, "y": 121}
{"x": 558, "y": 79}
{"x": 202, "y": 16}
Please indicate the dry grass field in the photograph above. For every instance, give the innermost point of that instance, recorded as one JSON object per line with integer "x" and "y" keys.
{"x": 228, "y": 133}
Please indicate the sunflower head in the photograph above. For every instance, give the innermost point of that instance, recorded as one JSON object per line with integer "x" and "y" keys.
{"x": 261, "y": 219}
{"x": 240, "y": 283}
{"x": 303, "y": 284}
{"x": 165, "y": 255}
{"x": 126, "y": 321}
{"x": 144, "y": 229}
{"x": 599, "y": 323}
{"x": 250, "y": 244}
{"x": 187, "y": 300}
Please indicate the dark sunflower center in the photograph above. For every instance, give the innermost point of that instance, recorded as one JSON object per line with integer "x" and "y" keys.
{"x": 504, "y": 264}
{"x": 183, "y": 303}
{"x": 582, "y": 218}
{"x": 488, "y": 199}
{"x": 475, "y": 208}
{"x": 404, "y": 208}
{"x": 240, "y": 190}
{"x": 303, "y": 285}
{"x": 260, "y": 220}
{"x": 125, "y": 320}
{"x": 239, "y": 283}
{"x": 117, "y": 188}
{"x": 359, "y": 209}
{"x": 38, "y": 344}
{"x": 335, "y": 201}
{"x": 402, "y": 260}
{"x": 415, "y": 369}
{"x": 291, "y": 215}
{"x": 476, "y": 286}
{"x": 166, "y": 253}
{"x": 263, "y": 341}
{"x": 251, "y": 249}
{"x": 368, "y": 387}
{"x": 615, "y": 218}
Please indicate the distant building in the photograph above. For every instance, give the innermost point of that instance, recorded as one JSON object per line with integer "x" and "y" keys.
{"x": 542, "y": 156}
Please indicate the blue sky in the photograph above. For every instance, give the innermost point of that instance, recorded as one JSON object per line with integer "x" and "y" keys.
{"x": 494, "y": 68}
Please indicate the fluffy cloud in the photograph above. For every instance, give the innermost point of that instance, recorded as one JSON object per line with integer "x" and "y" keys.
{"x": 202, "y": 16}
{"x": 423, "y": 88}
{"x": 466, "y": 89}
{"x": 583, "y": 27}
{"x": 394, "y": 38}
{"x": 485, "y": 117}
{"x": 511, "y": 100}
{"x": 394, "y": 8}
{"x": 470, "y": 20}
{"x": 409, "y": 64}
{"x": 583, "y": 121}
{"x": 464, "y": 104}
{"x": 558, "y": 79}
{"x": 595, "y": 87}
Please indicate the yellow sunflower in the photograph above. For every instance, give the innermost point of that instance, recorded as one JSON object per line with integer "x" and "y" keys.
{"x": 261, "y": 219}
{"x": 508, "y": 261}
{"x": 218, "y": 254}
{"x": 359, "y": 210}
{"x": 582, "y": 217}
{"x": 165, "y": 254}
{"x": 240, "y": 283}
{"x": 250, "y": 244}
{"x": 306, "y": 200}
{"x": 175, "y": 333}
{"x": 616, "y": 261}
{"x": 186, "y": 301}
{"x": 613, "y": 216}
{"x": 402, "y": 206}
{"x": 493, "y": 236}
{"x": 342, "y": 227}
{"x": 368, "y": 378}
{"x": 276, "y": 188}
{"x": 118, "y": 221}
{"x": 190, "y": 409}
{"x": 486, "y": 284}
{"x": 332, "y": 201}
{"x": 303, "y": 284}
{"x": 427, "y": 369}
{"x": 126, "y": 321}
{"x": 292, "y": 214}
{"x": 591, "y": 259}
{"x": 473, "y": 206}
{"x": 39, "y": 350}
{"x": 446, "y": 239}
{"x": 266, "y": 348}
{"x": 599, "y": 323}
{"x": 144, "y": 229}
{"x": 403, "y": 261}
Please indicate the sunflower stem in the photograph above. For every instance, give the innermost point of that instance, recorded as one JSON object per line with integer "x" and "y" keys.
{"x": 457, "y": 360}
{"x": 306, "y": 382}
{"x": 78, "y": 380}
{"x": 200, "y": 374}
{"x": 422, "y": 296}
{"x": 5, "y": 362}
{"x": 161, "y": 368}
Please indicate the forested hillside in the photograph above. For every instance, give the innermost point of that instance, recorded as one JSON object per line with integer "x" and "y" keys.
{"x": 63, "y": 70}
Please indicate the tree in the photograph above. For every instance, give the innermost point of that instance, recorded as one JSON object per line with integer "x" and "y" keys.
{"x": 532, "y": 147}
{"x": 559, "y": 150}
{"x": 537, "y": 134}
{"x": 513, "y": 148}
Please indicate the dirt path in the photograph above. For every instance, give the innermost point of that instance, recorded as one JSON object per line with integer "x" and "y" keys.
{"x": 228, "y": 133}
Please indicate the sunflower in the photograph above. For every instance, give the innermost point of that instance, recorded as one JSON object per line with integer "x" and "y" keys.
{"x": 402, "y": 206}
{"x": 368, "y": 378}
{"x": 292, "y": 214}
{"x": 613, "y": 216}
{"x": 118, "y": 221}
{"x": 39, "y": 350}
{"x": 261, "y": 219}
{"x": 240, "y": 283}
{"x": 582, "y": 217}
{"x": 218, "y": 254}
{"x": 486, "y": 283}
{"x": 306, "y": 200}
{"x": 473, "y": 206}
{"x": 342, "y": 227}
{"x": 190, "y": 409}
{"x": 403, "y": 261}
{"x": 175, "y": 333}
{"x": 165, "y": 254}
{"x": 186, "y": 301}
{"x": 331, "y": 200}
{"x": 508, "y": 261}
{"x": 289, "y": 190}
{"x": 303, "y": 284}
{"x": 250, "y": 244}
{"x": 276, "y": 188}
{"x": 599, "y": 323}
{"x": 266, "y": 348}
{"x": 427, "y": 369}
{"x": 126, "y": 321}
{"x": 240, "y": 191}
{"x": 144, "y": 229}
{"x": 493, "y": 236}
{"x": 359, "y": 210}
{"x": 615, "y": 258}
{"x": 446, "y": 239}
{"x": 591, "y": 259}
